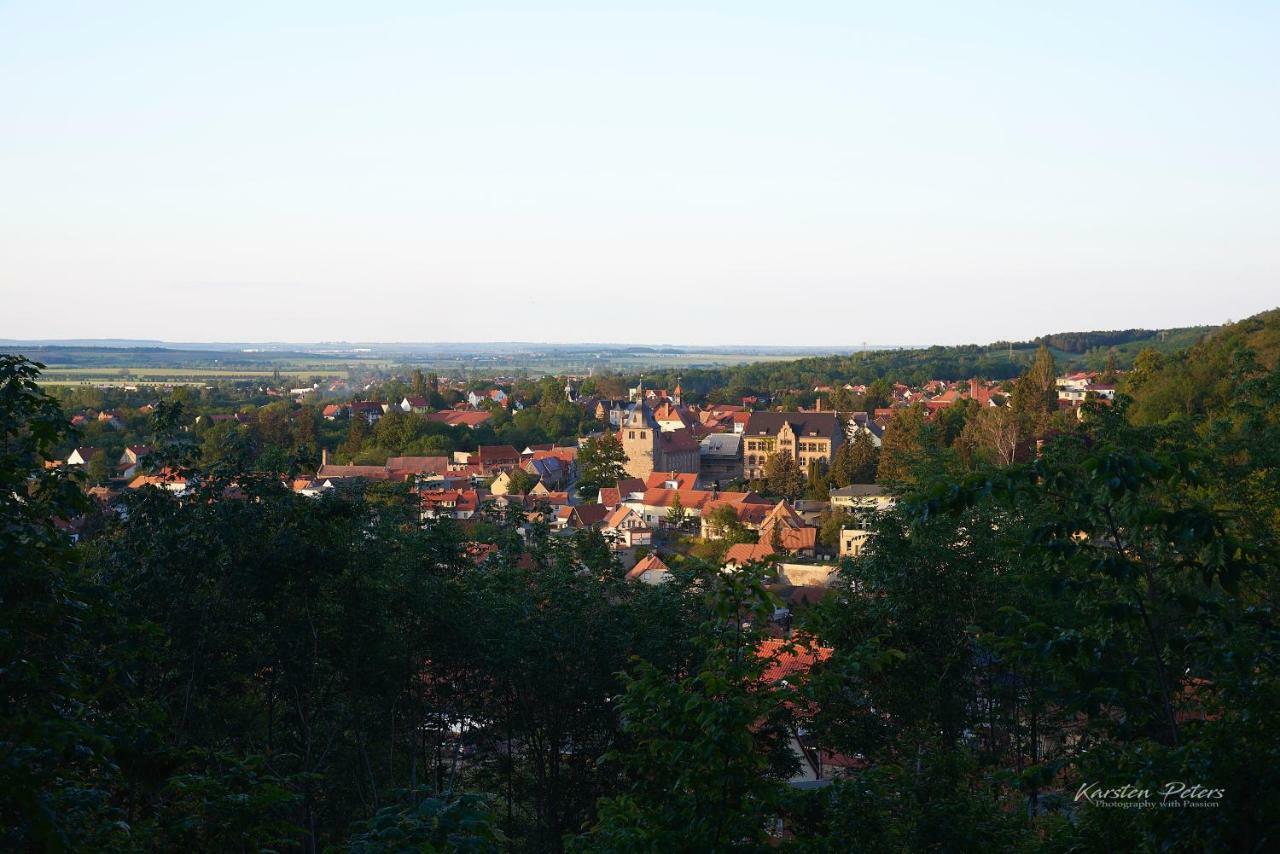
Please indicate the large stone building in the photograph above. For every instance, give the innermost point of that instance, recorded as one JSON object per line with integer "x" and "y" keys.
{"x": 804, "y": 436}
{"x": 649, "y": 448}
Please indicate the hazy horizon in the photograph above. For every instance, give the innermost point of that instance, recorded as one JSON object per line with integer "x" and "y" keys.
{"x": 730, "y": 173}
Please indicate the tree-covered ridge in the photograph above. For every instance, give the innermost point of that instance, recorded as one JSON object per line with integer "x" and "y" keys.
{"x": 246, "y": 668}
{"x": 1072, "y": 350}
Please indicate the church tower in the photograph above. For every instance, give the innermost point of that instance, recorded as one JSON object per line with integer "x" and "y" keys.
{"x": 639, "y": 434}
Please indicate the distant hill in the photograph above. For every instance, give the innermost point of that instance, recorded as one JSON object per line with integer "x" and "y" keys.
{"x": 996, "y": 361}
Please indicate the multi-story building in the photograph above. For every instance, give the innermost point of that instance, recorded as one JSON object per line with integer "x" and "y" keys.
{"x": 803, "y": 436}
{"x": 649, "y": 448}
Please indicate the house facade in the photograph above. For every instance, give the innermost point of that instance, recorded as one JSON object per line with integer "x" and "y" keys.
{"x": 804, "y": 436}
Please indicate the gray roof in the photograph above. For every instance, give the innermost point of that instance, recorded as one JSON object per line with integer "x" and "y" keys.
{"x": 859, "y": 490}
{"x": 824, "y": 424}
{"x": 721, "y": 445}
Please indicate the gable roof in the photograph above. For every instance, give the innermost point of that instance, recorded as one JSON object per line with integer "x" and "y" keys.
{"x": 454, "y": 417}
{"x": 367, "y": 472}
{"x": 418, "y": 465}
{"x": 741, "y": 553}
{"x": 619, "y": 515}
{"x": 649, "y": 563}
{"x": 494, "y": 453}
{"x": 658, "y": 480}
{"x": 821, "y": 424}
{"x": 788, "y": 658}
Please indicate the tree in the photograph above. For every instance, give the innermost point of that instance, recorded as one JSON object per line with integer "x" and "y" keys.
{"x": 879, "y": 395}
{"x": 601, "y": 462}
{"x": 1000, "y": 433}
{"x": 832, "y": 524}
{"x": 907, "y": 442}
{"x": 782, "y": 475}
{"x": 861, "y": 459}
{"x": 702, "y": 755}
{"x": 817, "y": 487}
{"x": 521, "y": 481}
{"x": 1109, "y": 372}
{"x": 1035, "y": 395}
{"x": 357, "y": 433}
{"x": 723, "y": 524}
{"x": 50, "y": 795}
{"x": 1146, "y": 366}
{"x": 418, "y": 385}
{"x": 99, "y": 468}
{"x": 676, "y": 514}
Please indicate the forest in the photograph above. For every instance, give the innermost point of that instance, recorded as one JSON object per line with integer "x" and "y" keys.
{"x": 244, "y": 668}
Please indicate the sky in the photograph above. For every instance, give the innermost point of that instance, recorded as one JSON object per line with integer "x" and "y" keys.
{"x": 804, "y": 173}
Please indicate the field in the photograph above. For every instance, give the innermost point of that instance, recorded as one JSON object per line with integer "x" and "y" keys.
{"x": 97, "y": 365}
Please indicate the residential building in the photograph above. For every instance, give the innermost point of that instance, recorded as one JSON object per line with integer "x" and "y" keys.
{"x": 861, "y": 499}
{"x": 650, "y": 569}
{"x": 82, "y": 456}
{"x": 627, "y": 529}
{"x": 853, "y": 541}
{"x": 496, "y": 458}
{"x": 720, "y": 458}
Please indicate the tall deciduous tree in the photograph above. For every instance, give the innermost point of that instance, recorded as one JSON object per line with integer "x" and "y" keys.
{"x": 601, "y": 462}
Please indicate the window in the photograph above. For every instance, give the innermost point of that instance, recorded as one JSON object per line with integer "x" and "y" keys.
{"x": 631, "y": 434}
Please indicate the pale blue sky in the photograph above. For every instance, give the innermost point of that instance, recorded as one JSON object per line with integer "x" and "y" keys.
{"x": 650, "y": 172}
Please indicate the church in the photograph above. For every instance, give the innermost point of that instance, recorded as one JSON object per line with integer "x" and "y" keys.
{"x": 649, "y": 448}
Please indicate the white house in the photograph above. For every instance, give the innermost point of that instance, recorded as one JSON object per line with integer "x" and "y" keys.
{"x": 651, "y": 570}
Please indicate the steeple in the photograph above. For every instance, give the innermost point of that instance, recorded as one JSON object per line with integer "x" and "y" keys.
{"x": 568, "y": 390}
{"x": 676, "y": 396}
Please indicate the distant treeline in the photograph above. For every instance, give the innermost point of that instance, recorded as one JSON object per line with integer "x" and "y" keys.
{"x": 1002, "y": 360}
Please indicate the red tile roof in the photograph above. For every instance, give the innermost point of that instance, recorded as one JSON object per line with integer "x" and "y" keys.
{"x": 649, "y": 562}
{"x": 782, "y": 663}
{"x": 418, "y": 465}
{"x": 454, "y": 418}
{"x": 742, "y": 553}
{"x": 684, "y": 480}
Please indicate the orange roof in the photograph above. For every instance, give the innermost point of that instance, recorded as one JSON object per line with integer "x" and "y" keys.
{"x": 164, "y": 478}
{"x": 742, "y": 553}
{"x": 782, "y": 663}
{"x": 684, "y": 480}
{"x": 793, "y": 539}
{"x": 647, "y": 563}
{"x": 455, "y": 417}
{"x": 615, "y": 518}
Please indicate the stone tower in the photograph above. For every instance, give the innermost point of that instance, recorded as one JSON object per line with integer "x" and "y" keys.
{"x": 639, "y": 434}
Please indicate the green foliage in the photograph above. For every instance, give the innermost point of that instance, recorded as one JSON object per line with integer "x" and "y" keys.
{"x": 782, "y": 476}
{"x": 601, "y": 463}
{"x": 677, "y": 516}
{"x": 427, "y": 825}
{"x": 51, "y": 788}
{"x": 696, "y": 751}
{"x": 246, "y": 668}
{"x": 522, "y": 481}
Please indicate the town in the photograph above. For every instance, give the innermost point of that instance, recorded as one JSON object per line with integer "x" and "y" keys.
{"x": 661, "y": 477}
{"x": 554, "y": 584}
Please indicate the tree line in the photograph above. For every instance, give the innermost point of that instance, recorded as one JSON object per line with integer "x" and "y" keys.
{"x": 247, "y": 669}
